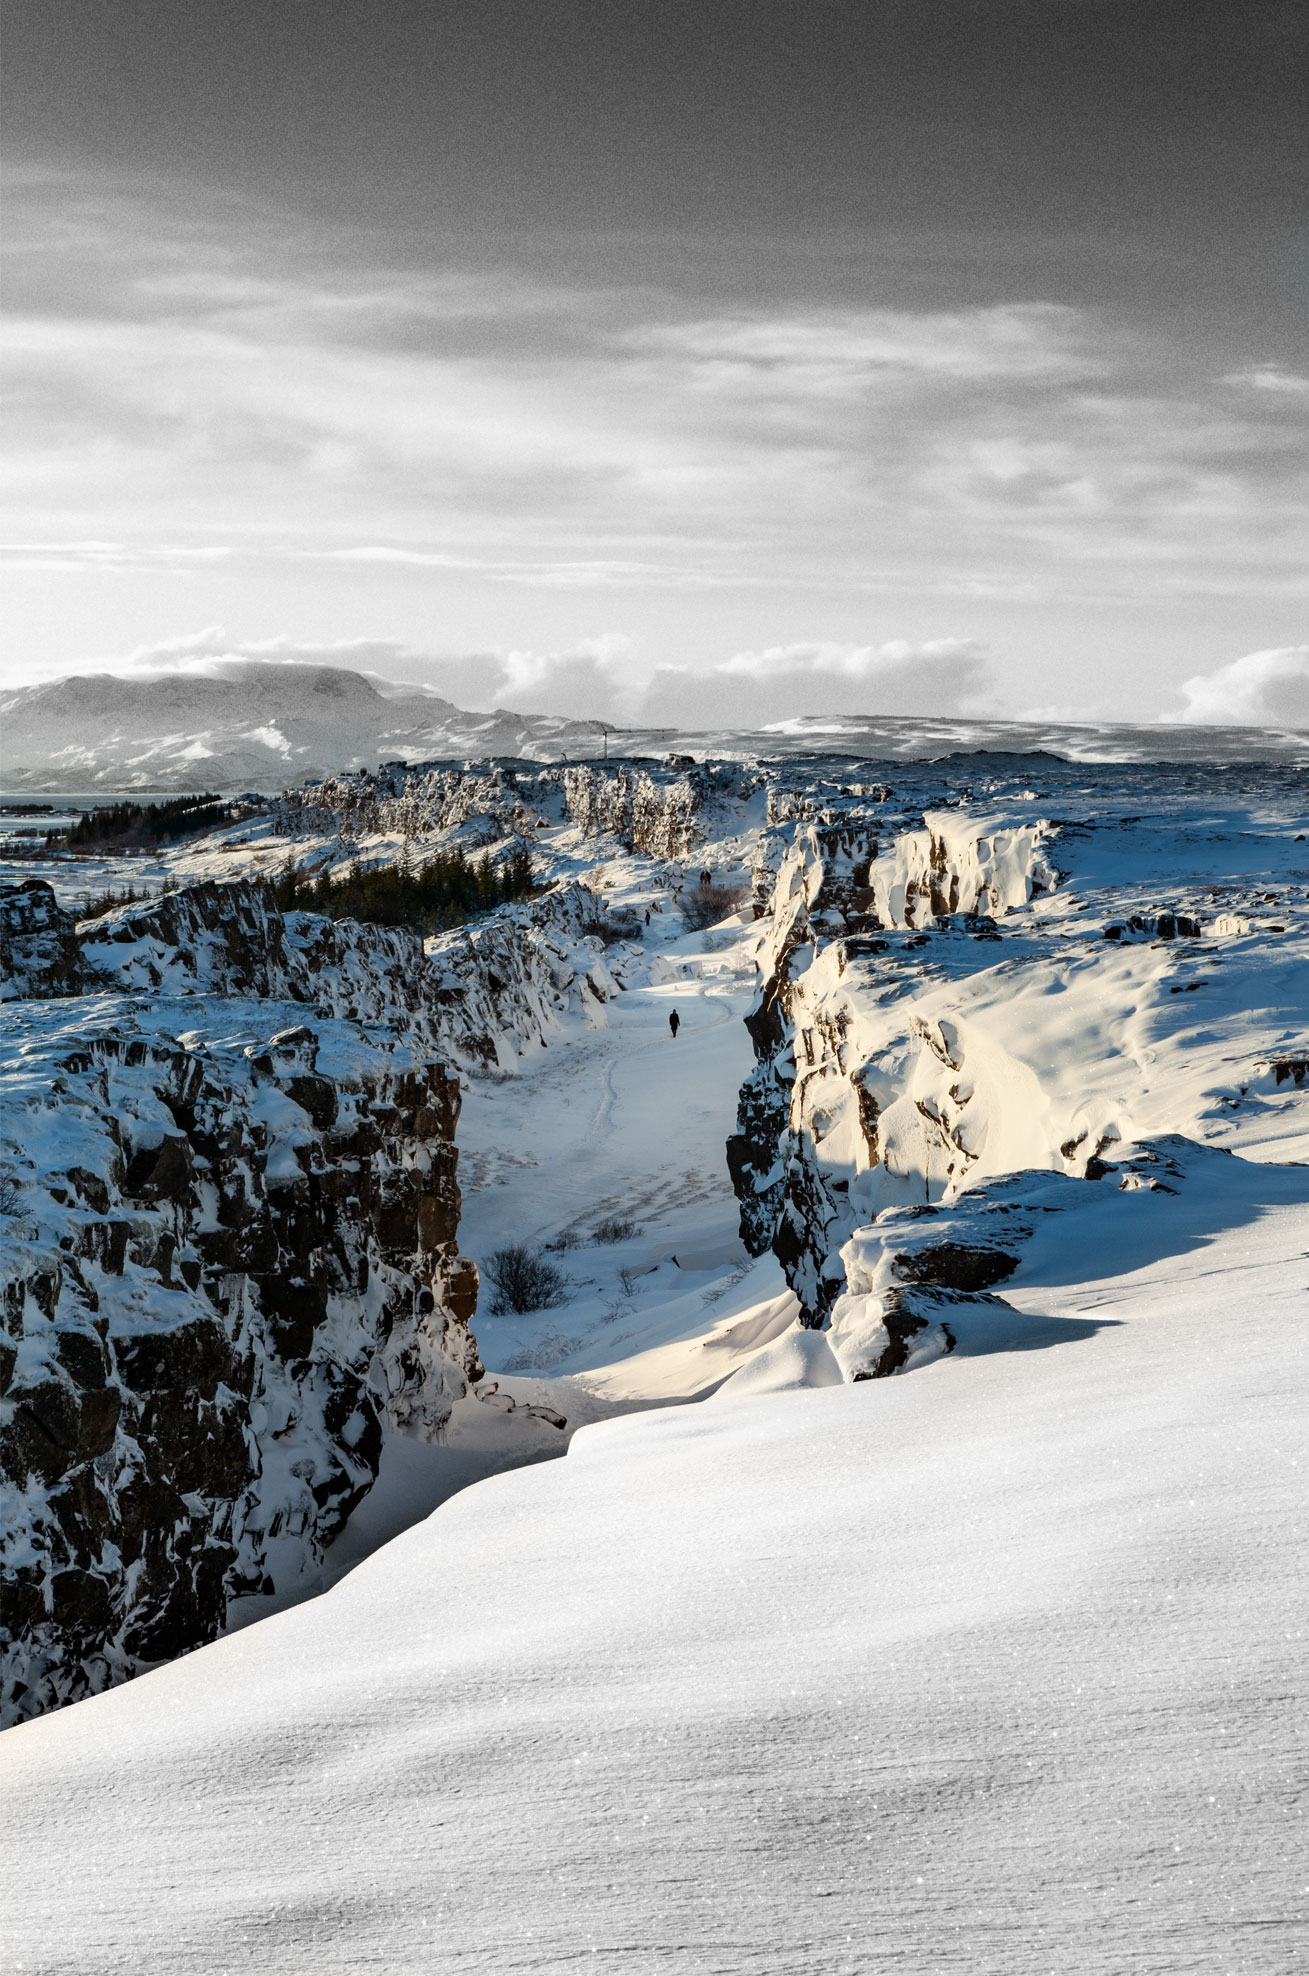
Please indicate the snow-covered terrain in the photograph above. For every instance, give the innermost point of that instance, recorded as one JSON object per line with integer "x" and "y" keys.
{"x": 991, "y": 1075}
{"x": 995, "y": 1667}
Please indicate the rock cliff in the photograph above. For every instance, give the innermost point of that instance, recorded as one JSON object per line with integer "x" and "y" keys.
{"x": 39, "y": 950}
{"x": 479, "y": 995}
{"x": 932, "y": 1015}
{"x": 423, "y": 801}
{"x": 229, "y": 1183}
{"x": 226, "y": 1265}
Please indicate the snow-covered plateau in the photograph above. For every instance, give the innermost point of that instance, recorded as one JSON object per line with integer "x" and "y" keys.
{"x": 923, "y": 1587}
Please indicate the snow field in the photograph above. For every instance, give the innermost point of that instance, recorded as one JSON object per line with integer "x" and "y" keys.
{"x": 996, "y": 1667}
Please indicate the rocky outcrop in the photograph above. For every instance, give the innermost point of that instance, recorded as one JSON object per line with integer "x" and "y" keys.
{"x": 39, "y": 950}
{"x": 226, "y": 1268}
{"x": 656, "y": 812}
{"x": 917, "y": 1279}
{"x": 229, "y": 1263}
{"x": 220, "y": 939}
{"x": 835, "y": 1121}
{"x": 1154, "y": 926}
{"x": 423, "y": 801}
{"x": 936, "y": 1012}
{"x": 821, "y": 801}
{"x": 964, "y": 862}
{"x": 477, "y": 996}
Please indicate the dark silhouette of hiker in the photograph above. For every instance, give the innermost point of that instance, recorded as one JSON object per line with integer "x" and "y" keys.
{"x": 674, "y": 1022}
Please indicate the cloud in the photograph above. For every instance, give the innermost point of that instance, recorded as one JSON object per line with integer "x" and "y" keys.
{"x": 216, "y": 373}
{"x": 780, "y": 682}
{"x": 860, "y": 663}
{"x": 1263, "y": 689}
{"x": 1268, "y": 378}
{"x": 606, "y": 678}
{"x": 843, "y": 352}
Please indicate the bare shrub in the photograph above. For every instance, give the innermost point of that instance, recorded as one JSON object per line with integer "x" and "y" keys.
{"x": 707, "y": 904}
{"x": 523, "y": 1280}
{"x": 615, "y": 1228}
{"x": 565, "y": 1240}
{"x": 11, "y": 1194}
{"x": 620, "y": 925}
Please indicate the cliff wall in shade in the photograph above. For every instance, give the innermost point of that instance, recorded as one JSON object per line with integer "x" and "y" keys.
{"x": 226, "y": 1266}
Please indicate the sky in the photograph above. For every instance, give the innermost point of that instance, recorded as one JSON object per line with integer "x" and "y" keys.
{"x": 843, "y": 355}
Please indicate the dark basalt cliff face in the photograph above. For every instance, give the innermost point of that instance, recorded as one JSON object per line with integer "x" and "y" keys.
{"x": 39, "y": 950}
{"x": 785, "y": 1199}
{"x": 227, "y": 1269}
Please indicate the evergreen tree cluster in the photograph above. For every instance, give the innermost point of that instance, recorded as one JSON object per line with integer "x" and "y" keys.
{"x": 446, "y": 890}
{"x": 96, "y": 904}
{"x": 146, "y": 823}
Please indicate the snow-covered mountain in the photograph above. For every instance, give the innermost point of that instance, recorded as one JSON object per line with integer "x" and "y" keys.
{"x": 266, "y": 725}
{"x": 248, "y": 725}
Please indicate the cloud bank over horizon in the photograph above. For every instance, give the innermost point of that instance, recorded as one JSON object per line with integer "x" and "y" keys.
{"x": 604, "y": 679}
{"x": 1263, "y": 689}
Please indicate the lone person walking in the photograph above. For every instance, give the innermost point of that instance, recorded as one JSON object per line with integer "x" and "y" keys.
{"x": 674, "y": 1022}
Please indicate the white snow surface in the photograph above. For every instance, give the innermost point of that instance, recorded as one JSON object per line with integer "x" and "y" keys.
{"x": 995, "y": 1667}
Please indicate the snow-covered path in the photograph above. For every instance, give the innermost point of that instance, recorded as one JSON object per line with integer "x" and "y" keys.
{"x": 999, "y": 1667}
{"x": 625, "y": 1121}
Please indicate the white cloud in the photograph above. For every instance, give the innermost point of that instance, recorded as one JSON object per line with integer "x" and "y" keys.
{"x": 1268, "y": 378}
{"x": 940, "y": 675}
{"x": 1263, "y": 689}
{"x": 276, "y": 425}
{"x": 217, "y": 375}
{"x": 865, "y": 664}
{"x": 846, "y": 348}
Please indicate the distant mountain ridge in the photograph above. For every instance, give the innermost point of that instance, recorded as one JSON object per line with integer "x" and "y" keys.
{"x": 266, "y": 726}
{"x": 255, "y": 726}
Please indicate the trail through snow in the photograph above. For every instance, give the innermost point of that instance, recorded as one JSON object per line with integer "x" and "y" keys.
{"x": 627, "y": 1122}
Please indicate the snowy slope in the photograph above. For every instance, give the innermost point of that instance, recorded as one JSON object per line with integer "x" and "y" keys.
{"x": 994, "y": 1668}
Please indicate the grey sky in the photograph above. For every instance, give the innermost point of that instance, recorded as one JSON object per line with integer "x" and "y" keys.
{"x": 680, "y": 335}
